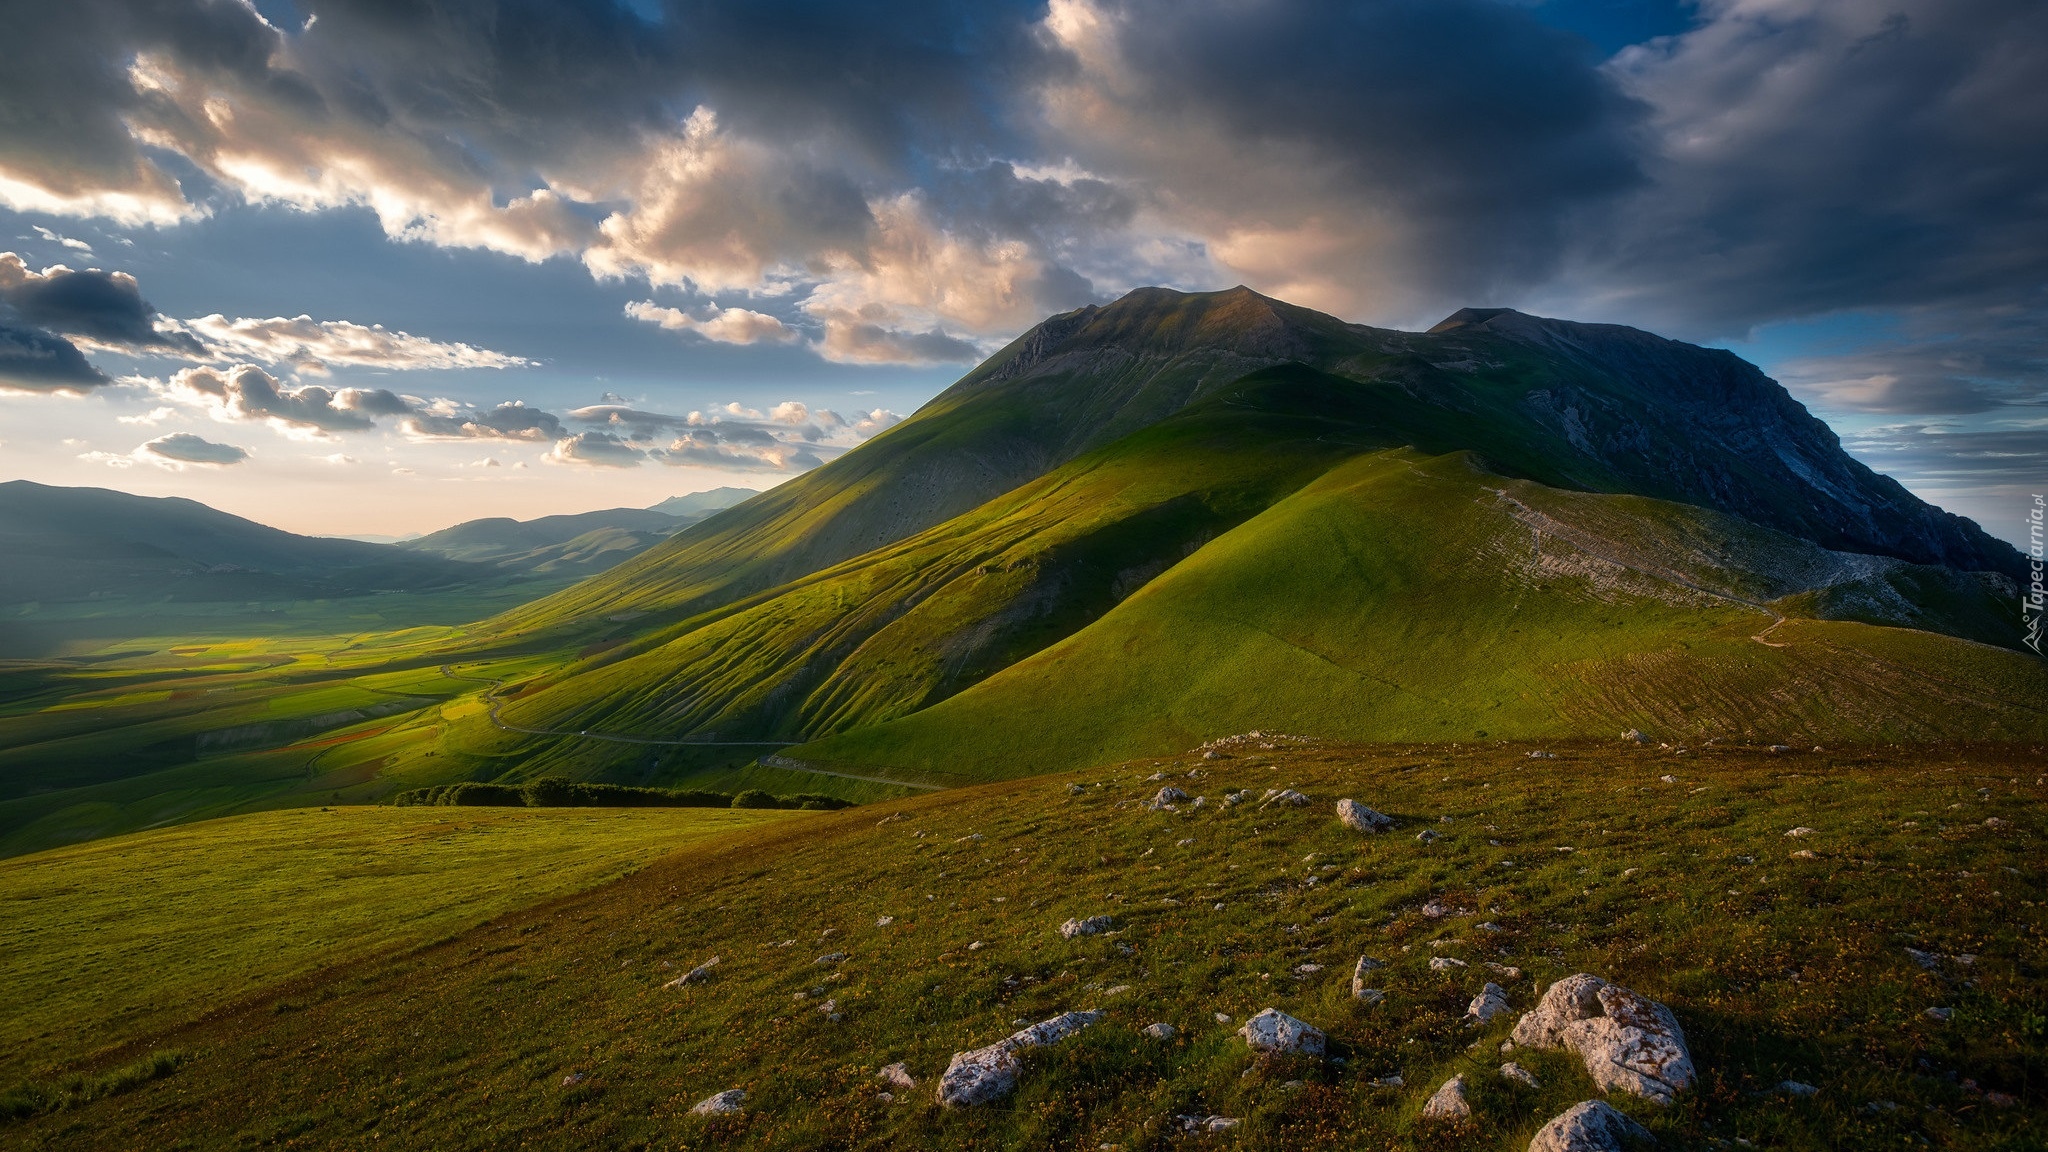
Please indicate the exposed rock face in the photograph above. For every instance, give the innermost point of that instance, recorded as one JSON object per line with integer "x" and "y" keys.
{"x": 723, "y": 1104}
{"x": 1629, "y": 1042}
{"x": 1273, "y": 1031}
{"x": 1593, "y": 1126}
{"x": 984, "y": 1074}
{"x": 1089, "y": 926}
{"x": 1491, "y": 1001}
{"x": 1448, "y": 1103}
{"x": 1359, "y": 818}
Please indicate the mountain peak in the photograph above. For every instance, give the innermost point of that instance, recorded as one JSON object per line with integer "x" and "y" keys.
{"x": 1469, "y": 318}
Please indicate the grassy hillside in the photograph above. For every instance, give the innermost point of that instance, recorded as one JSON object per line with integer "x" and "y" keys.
{"x": 1403, "y": 598}
{"x": 1668, "y": 871}
{"x": 128, "y": 937}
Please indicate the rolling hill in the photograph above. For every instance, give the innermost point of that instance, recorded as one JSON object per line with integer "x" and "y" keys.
{"x": 1176, "y": 515}
{"x": 579, "y": 544}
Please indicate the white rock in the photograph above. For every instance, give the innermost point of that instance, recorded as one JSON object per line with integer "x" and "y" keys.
{"x": 1491, "y": 1001}
{"x": 1275, "y": 1031}
{"x": 1632, "y": 736}
{"x": 985, "y": 1074}
{"x": 1166, "y": 798}
{"x": 1448, "y": 1103}
{"x": 1368, "y": 995}
{"x": 697, "y": 975}
{"x": 1427, "y": 837}
{"x": 1629, "y": 1042}
{"x": 830, "y": 958}
{"x": 723, "y": 1104}
{"x": 1222, "y": 1018}
{"x": 1220, "y": 1123}
{"x": 1160, "y": 1031}
{"x": 1286, "y": 796}
{"x": 1668, "y": 779}
{"x": 1519, "y": 1074}
{"x": 1800, "y": 831}
{"x": 1085, "y": 927}
{"x": 1445, "y": 964}
{"x": 1358, "y": 978}
{"x": 897, "y": 1074}
{"x": 884, "y": 921}
{"x": 1358, "y": 817}
{"x": 1306, "y": 970}
{"x": 1593, "y": 1126}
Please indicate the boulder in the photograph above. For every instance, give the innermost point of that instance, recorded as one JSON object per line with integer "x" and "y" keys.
{"x": 1593, "y": 1126}
{"x": 1520, "y": 1075}
{"x": 1359, "y": 818}
{"x": 724, "y": 1104}
{"x": 1448, "y": 1103}
{"x": 1284, "y": 796}
{"x": 897, "y": 1074}
{"x": 1088, "y": 926}
{"x": 1167, "y": 798}
{"x": 984, "y": 1074}
{"x": 1273, "y": 1031}
{"x": 1491, "y": 1001}
{"x": 1628, "y": 1042}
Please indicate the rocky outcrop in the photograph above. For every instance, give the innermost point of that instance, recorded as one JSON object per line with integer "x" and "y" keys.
{"x": 1448, "y": 1102}
{"x": 983, "y": 1074}
{"x": 1088, "y": 926}
{"x": 1359, "y": 818}
{"x": 1629, "y": 1042}
{"x": 1593, "y": 1126}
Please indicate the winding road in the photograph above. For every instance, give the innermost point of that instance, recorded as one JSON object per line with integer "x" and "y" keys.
{"x": 495, "y": 703}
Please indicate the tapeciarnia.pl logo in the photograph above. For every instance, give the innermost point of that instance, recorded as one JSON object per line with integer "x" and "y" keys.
{"x": 2034, "y": 604}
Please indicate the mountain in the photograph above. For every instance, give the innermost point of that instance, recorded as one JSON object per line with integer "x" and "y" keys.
{"x": 1150, "y": 522}
{"x": 697, "y": 505}
{"x": 81, "y": 544}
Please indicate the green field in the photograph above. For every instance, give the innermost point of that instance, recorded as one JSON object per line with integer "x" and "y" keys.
{"x": 550, "y": 1026}
{"x": 107, "y": 943}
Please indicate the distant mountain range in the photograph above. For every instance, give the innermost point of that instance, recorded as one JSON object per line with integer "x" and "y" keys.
{"x": 1152, "y": 522}
{"x": 95, "y": 547}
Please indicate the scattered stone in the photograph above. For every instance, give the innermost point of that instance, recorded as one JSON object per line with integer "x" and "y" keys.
{"x": 2001, "y": 1100}
{"x": 1448, "y": 1103}
{"x": 1805, "y": 854}
{"x": 1075, "y": 789}
{"x": 977, "y": 946}
{"x": 1155, "y": 778}
{"x": 572, "y": 1079}
{"x": 1436, "y": 910}
{"x": 1160, "y": 1031}
{"x": 1632, "y": 736}
{"x": 1303, "y": 971}
{"x": 1802, "y": 830}
{"x": 1445, "y": 964}
{"x": 1489, "y": 926}
{"x": 1940, "y": 1015}
{"x": 984, "y": 1074}
{"x": 1506, "y": 971}
{"x": 892, "y": 818}
{"x": 1286, "y": 796}
{"x": 830, "y": 958}
{"x": 1368, "y": 995}
{"x": 1090, "y": 926}
{"x": 1359, "y": 818}
{"x": 1275, "y": 1031}
{"x": 1779, "y": 749}
{"x": 897, "y": 1074}
{"x": 1207, "y": 1123}
{"x": 1394, "y": 1081}
{"x": 1928, "y": 960}
{"x": 1876, "y": 1107}
{"x": 1594, "y": 1126}
{"x": 886, "y": 1097}
{"x": 1491, "y": 1001}
{"x": 724, "y": 1104}
{"x": 1116, "y": 991}
{"x": 1427, "y": 837}
{"x": 884, "y": 921}
{"x": 1668, "y": 779}
{"x": 1542, "y": 755}
{"x": 1212, "y": 754}
{"x": 971, "y": 838}
{"x": 697, "y": 975}
{"x": 1189, "y": 842}
{"x": 1995, "y": 822}
{"x": 1520, "y": 1075}
{"x": 1222, "y": 1018}
{"x": 1796, "y": 1088}
{"x": 1166, "y": 798}
{"x": 1628, "y": 1041}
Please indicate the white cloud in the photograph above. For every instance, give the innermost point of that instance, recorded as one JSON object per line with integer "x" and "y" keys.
{"x": 247, "y": 392}
{"x": 155, "y": 415}
{"x": 176, "y": 452}
{"x": 313, "y": 345}
{"x": 724, "y": 325}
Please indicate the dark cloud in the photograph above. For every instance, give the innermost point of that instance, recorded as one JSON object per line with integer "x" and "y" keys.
{"x": 505, "y": 422}
{"x": 37, "y": 361}
{"x": 246, "y": 392}
{"x": 186, "y": 448}
{"x": 629, "y": 421}
{"x": 102, "y": 307}
{"x": 1959, "y": 362}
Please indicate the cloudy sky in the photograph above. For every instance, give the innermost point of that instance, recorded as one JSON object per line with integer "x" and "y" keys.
{"x": 375, "y": 266}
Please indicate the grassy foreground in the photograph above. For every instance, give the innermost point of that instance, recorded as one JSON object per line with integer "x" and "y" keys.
{"x": 550, "y": 1027}
{"x": 107, "y": 942}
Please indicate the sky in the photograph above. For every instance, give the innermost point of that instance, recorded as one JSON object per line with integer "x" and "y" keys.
{"x": 379, "y": 266}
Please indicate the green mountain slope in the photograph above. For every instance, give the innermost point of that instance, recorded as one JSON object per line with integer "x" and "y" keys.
{"x": 1407, "y": 598}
